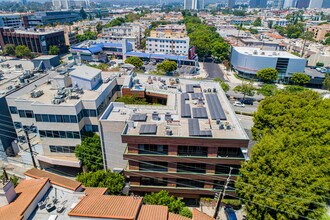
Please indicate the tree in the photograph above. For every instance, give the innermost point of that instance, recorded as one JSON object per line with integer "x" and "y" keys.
{"x": 326, "y": 82}
{"x": 220, "y": 50}
{"x": 83, "y": 14}
{"x": 114, "y": 182}
{"x": 257, "y": 22}
{"x": 88, "y": 35}
{"x": 294, "y": 30}
{"x": 99, "y": 27}
{"x": 135, "y": 61}
{"x": 247, "y": 89}
{"x": 132, "y": 100}
{"x": 267, "y": 75}
{"x": 90, "y": 152}
{"x": 319, "y": 64}
{"x": 53, "y": 50}
{"x": 10, "y": 49}
{"x": 174, "y": 205}
{"x": 186, "y": 212}
{"x": 300, "y": 78}
{"x": 287, "y": 176}
{"x": 23, "y": 51}
{"x": 223, "y": 84}
{"x": 327, "y": 41}
{"x": 167, "y": 66}
{"x": 268, "y": 89}
{"x": 253, "y": 31}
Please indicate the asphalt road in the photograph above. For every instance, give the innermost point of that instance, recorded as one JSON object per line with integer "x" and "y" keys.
{"x": 213, "y": 70}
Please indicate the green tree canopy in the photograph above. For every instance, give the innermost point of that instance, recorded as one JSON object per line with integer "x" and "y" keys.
{"x": 115, "y": 182}
{"x": 257, "y": 22}
{"x": 23, "y": 51}
{"x": 174, "y": 205}
{"x": 223, "y": 84}
{"x": 287, "y": 176}
{"x": 132, "y": 100}
{"x": 268, "y": 75}
{"x": 135, "y": 61}
{"x": 53, "y": 50}
{"x": 167, "y": 66}
{"x": 88, "y": 35}
{"x": 220, "y": 50}
{"x": 319, "y": 64}
{"x": 326, "y": 82}
{"x": 10, "y": 49}
{"x": 247, "y": 89}
{"x": 268, "y": 89}
{"x": 300, "y": 78}
{"x": 90, "y": 152}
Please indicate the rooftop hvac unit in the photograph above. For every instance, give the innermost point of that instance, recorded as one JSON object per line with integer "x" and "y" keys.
{"x": 169, "y": 132}
{"x": 36, "y": 94}
{"x": 255, "y": 52}
{"x": 155, "y": 116}
{"x": 262, "y": 53}
{"x": 168, "y": 116}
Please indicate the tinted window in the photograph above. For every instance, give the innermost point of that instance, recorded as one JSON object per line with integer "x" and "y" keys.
{"x": 13, "y": 109}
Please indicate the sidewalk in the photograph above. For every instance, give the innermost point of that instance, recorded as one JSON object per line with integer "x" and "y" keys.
{"x": 14, "y": 167}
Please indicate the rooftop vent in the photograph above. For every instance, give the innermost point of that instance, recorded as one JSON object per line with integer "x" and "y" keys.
{"x": 168, "y": 116}
{"x": 36, "y": 93}
{"x": 155, "y": 116}
{"x": 169, "y": 132}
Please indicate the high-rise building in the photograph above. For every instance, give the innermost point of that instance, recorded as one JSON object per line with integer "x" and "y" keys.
{"x": 289, "y": 3}
{"x": 303, "y": 3}
{"x": 258, "y": 3}
{"x": 326, "y": 4}
{"x": 231, "y": 3}
{"x": 193, "y": 4}
{"x": 316, "y": 3}
{"x": 278, "y": 4}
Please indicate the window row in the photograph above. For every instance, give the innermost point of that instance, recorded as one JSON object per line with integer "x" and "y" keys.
{"x": 61, "y": 149}
{"x": 56, "y": 118}
{"x": 59, "y": 134}
{"x": 26, "y": 113}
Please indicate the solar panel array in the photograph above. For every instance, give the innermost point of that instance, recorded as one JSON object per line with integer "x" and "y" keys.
{"x": 190, "y": 87}
{"x": 215, "y": 107}
{"x": 148, "y": 129}
{"x": 194, "y": 129}
{"x": 196, "y": 96}
{"x": 185, "y": 108}
{"x": 185, "y": 96}
{"x": 139, "y": 117}
{"x": 199, "y": 112}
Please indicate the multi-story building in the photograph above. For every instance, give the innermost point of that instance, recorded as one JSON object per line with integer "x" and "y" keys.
{"x": 231, "y": 3}
{"x": 38, "y": 41}
{"x": 58, "y": 109}
{"x": 11, "y": 20}
{"x": 258, "y": 3}
{"x": 248, "y": 61}
{"x": 315, "y": 4}
{"x": 289, "y": 3}
{"x": 50, "y": 17}
{"x": 168, "y": 39}
{"x": 130, "y": 31}
{"x": 303, "y": 3}
{"x": 319, "y": 31}
{"x": 186, "y": 145}
{"x": 69, "y": 4}
{"x": 194, "y": 4}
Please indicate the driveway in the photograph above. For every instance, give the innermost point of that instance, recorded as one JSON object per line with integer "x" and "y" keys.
{"x": 213, "y": 70}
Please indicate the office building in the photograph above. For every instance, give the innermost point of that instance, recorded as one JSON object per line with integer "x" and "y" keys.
{"x": 248, "y": 61}
{"x": 316, "y": 3}
{"x": 168, "y": 39}
{"x": 319, "y": 31}
{"x": 50, "y": 17}
{"x": 58, "y": 109}
{"x": 278, "y": 4}
{"x": 70, "y": 4}
{"x": 194, "y": 4}
{"x": 258, "y": 3}
{"x": 11, "y": 20}
{"x": 185, "y": 146}
{"x": 290, "y": 3}
{"x": 231, "y": 3}
{"x": 302, "y": 3}
{"x": 326, "y": 4}
{"x": 38, "y": 41}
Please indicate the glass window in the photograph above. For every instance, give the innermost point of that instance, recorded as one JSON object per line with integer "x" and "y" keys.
{"x": 18, "y": 125}
{"x": 66, "y": 118}
{"x": 52, "y": 118}
{"x": 13, "y": 109}
{"x": 29, "y": 114}
{"x": 69, "y": 134}
{"x": 56, "y": 134}
{"x": 45, "y": 118}
{"x": 95, "y": 128}
{"x": 73, "y": 119}
{"x": 38, "y": 117}
{"x": 52, "y": 148}
{"x": 42, "y": 133}
{"x": 72, "y": 149}
{"x": 62, "y": 134}
{"x": 49, "y": 134}
{"x": 92, "y": 113}
{"x": 59, "y": 118}
{"x": 76, "y": 135}
{"x": 21, "y": 113}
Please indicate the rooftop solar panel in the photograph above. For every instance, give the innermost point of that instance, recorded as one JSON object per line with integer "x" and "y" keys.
{"x": 185, "y": 108}
{"x": 139, "y": 117}
{"x": 199, "y": 112}
{"x": 215, "y": 107}
{"x": 194, "y": 129}
{"x": 148, "y": 129}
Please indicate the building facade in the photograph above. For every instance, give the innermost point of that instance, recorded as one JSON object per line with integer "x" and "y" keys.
{"x": 248, "y": 61}
{"x": 51, "y": 17}
{"x": 319, "y": 31}
{"x": 258, "y": 3}
{"x": 303, "y": 3}
{"x": 185, "y": 146}
{"x": 38, "y": 41}
{"x": 11, "y": 20}
{"x": 316, "y": 3}
{"x": 194, "y": 4}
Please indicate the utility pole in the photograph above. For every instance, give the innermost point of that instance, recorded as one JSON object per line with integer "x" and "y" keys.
{"x": 26, "y": 131}
{"x": 221, "y": 194}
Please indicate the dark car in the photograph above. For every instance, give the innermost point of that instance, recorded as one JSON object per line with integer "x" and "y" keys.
{"x": 230, "y": 213}
{"x": 246, "y": 101}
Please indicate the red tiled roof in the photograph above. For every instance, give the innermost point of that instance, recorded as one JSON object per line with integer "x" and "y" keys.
{"x": 27, "y": 191}
{"x": 149, "y": 212}
{"x": 172, "y": 216}
{"x": 106, "y": 206}
{"x": 54, "y": 179}
{"x": 198, "y": 215}
{"x": 93, "y": 191}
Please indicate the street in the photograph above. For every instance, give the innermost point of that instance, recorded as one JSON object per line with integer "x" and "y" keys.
{"x": 213, "y": 70}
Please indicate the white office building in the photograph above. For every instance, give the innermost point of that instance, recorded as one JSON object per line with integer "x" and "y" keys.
{"x": 59, "y": 109}
{"x": 194, "y": 4}
{"x": 316, "y": 3}
{"x": 248, "y": 61}
{"x": 177, "y": 46}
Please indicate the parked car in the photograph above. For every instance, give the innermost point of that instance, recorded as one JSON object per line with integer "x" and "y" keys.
{"x": 246, "y": 101}
{"x": 230, "y": 213}
{"x": 239, "y": 104}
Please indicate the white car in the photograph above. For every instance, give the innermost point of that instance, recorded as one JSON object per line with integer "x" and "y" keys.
{"x": 239, "y": 104}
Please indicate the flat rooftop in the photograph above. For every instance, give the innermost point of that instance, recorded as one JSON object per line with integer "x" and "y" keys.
{"x": 193, "y": 109}
{"x": 254, "y": 51}
{"x": 36, "y": 32}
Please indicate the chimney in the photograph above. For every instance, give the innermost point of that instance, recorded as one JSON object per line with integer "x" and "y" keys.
{"x": 7, "y": 192}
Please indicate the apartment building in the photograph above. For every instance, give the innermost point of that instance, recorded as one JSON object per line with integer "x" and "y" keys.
{"x": 11, "y": 20}
{"x": 133, "y": 32}
{"x": 58, "y": 109}
{"x": 185, "y": 145}
{"x": 319, "y": 31}
{"x": 38, "y": 41}
{"x": 168, "y": 39}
